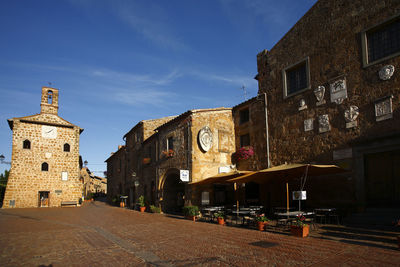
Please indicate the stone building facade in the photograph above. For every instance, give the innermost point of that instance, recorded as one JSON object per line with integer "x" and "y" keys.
{"x": 202, "y": 142}
{"x": 45, "y": 158}
{"x": 93, "y": 184}
{"x": 199, "y": 142}
{"x": 333, "y": 93}
{"x": 116, "y": 174}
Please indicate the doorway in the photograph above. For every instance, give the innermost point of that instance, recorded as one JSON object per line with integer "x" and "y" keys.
{"x": 174, "y": 194}
{"x": 382, "y": 178}
{"x": 44, "y": 199}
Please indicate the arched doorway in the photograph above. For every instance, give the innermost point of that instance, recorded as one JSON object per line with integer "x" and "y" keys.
{"x": 173, "y": 194}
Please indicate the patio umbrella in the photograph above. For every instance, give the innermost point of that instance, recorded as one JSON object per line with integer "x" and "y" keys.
{"x": 221, "y": 178}
{"x": 286, "y": 173}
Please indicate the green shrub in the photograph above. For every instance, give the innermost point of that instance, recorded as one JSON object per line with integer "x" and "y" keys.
{"x": 155, "y": 209}
{"x": 191, "y": 210}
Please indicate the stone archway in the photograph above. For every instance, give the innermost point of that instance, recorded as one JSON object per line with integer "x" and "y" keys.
{"x": 173, "y": 190}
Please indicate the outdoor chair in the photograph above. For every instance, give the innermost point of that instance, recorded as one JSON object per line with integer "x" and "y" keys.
{"x": 320, "y": 217}
{"x": 333, "y": 218}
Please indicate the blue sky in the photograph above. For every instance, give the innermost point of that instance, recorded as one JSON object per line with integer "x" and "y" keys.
{"x": 117, "y": 62}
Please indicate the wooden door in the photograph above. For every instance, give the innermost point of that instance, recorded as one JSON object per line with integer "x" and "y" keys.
{"x": 382, "y": 178}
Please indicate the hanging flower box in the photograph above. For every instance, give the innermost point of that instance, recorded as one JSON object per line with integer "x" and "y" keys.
{"x": 243, "y": 153}
{"x": 168, "y": 153}
{"x": 146, "y": 160}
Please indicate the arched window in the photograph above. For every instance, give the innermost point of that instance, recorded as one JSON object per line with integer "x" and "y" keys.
{"x": 49, "y": 97}
{"x": 67, "y": 147}
{"x": 45, "y": 167}
{"x": 26, "y": 144}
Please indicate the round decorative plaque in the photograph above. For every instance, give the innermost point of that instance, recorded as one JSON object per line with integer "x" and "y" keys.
{"x": 205, "y": 138}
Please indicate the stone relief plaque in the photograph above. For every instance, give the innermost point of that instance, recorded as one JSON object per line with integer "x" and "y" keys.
{"x": 205, "y": 138}
{"x": 384, "y": 109}
{"x": 350, "y": 116}
{"x": 324, "y": 125}
{"x": 225, "y": 141}
{"x": 319, "y": 93}
{"x": 309, "y": 125}
{"x": 302, "y": 105}
{"x": 386, "y": 72}
{"x": 338, "y": 91}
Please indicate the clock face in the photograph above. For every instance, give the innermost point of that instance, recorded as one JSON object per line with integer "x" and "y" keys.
{"x": 49, "y": 131}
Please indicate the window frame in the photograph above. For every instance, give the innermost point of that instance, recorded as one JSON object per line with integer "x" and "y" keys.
{"x": 305, "y": 60}
{"x": 244, "y": 111}
{"x": 169, "y": 143}
{"x": 69, "y": 147}
{"x": 240, "y": 140}
{"x": 28, "y": 142}
{"x": 47, "y": 165}
{"x": 364, "y": 42}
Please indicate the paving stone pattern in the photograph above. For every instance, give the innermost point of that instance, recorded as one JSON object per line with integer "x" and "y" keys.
{"x": 99, "y": 235}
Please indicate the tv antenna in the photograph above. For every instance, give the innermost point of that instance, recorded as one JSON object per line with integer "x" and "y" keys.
{"x": 244, "y": 92}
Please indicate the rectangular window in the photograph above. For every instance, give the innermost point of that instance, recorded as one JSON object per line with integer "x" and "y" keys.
{"x": 170, "y": 143}
{"x": 244, "y": 115}
{"x": 296, "y": 78}
{"x": 381, "y": 42}
{"x": 244, "y": 140}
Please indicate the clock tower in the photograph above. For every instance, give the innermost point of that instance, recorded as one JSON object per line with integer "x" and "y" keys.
{"x": 49, "y": 102}
{"x": 45, "y": 167}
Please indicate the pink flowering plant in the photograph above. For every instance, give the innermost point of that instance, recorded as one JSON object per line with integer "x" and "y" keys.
{"x": 243, "y": 153}
{"x": 300, "y": 221}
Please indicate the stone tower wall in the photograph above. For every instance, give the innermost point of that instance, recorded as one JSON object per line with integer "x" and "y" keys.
{"x": 26, "y": 178}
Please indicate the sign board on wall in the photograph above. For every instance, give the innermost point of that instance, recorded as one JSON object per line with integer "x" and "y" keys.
{"x": 299, "y": 195}
{"x": 184, "y": 175}
{"x": 224, "y": 169}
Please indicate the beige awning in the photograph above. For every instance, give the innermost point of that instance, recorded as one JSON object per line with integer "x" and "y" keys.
{"x": 222, "y": 178}
{"x": 286, "y": 172}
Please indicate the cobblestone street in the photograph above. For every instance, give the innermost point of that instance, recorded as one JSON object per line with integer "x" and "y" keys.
{"x": 99, "y": 235}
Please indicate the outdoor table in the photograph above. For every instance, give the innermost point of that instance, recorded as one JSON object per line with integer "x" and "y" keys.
{"x": 326, "y": 213}
{"x": 282, "y": 209}
{"x": 211, "y": 210}
{"x": 293, "y": 213}
{"x": 241, "y": 213}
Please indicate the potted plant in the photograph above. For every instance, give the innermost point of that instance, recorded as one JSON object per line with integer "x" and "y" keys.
{"x": 261, "y": 221}
{"x": 191, "y": 212}
{"x": 155, "y": 209}
{"x": 142, "y": 203}
{"x": 300, "y": 228}
{"x": 220, "y": 217}
{"x": 243, "y": 153}
{"x": 168, "y": 153}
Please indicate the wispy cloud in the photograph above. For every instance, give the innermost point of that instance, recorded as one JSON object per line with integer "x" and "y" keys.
{"x": 146, "y": 97}
{"x": 234, "y": 79}
{"x": 136, "y": 78}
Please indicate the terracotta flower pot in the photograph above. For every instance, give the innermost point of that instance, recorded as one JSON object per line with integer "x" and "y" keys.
{"x": 192, "y": 218}
{"x": 300, "y": 231}
{"x": 221, "y": 221}
{"x": 142, "y": 209}
{"x": 398, "y": 240}
{"x": 260, "y": 225}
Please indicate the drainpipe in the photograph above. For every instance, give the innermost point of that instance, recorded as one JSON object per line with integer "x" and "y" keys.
{"x": 266, "y": 129}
